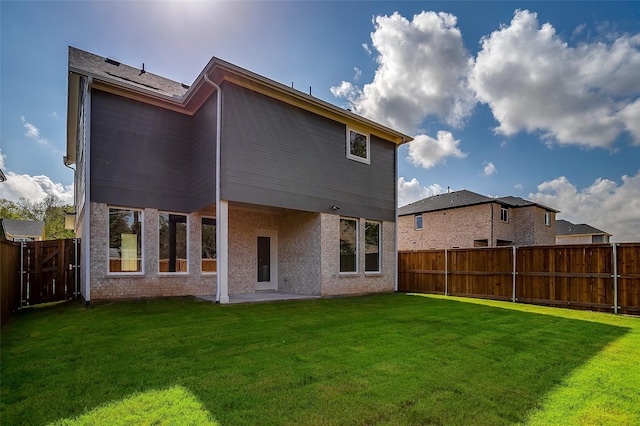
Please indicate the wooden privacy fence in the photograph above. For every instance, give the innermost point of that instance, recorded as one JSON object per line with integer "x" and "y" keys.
{"x": 603, "y": 277}
{"x": 37, "y": 272}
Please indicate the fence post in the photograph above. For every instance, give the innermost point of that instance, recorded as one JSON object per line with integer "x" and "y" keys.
{"x": 446, "y": 273}
{"x": 21, "y": 271}
{"x": 513, "y": 275}
{"x": 615, "y": 277}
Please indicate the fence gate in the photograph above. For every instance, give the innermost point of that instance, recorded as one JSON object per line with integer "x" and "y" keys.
{"x": 49, "y": 271}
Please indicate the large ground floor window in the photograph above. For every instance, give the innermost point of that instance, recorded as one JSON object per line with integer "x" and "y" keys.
{"x": 209, "y": 245}
{"x": 372, "y": 246}
{"x": 348, "y": 245}
{"x": 173, "y": 242}
{"x": 125, "y": 240}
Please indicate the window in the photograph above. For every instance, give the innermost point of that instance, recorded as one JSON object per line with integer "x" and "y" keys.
{"x": 357, "y": 146}
{"x": 372, "y": 246}
{"x": 125, "y": 240}
{"x": 418, "y": 221}
{"x": 348, "y": 245}
{"x": 504, "y": 215}
{"x": 547, "y": 218}
{"x": 173, "y": 242}
{"x": 208, "y": 245}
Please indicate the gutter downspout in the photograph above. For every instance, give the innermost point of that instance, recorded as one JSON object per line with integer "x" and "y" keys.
{"x": 395, "y": 273}
{"x": 218, "y": 232}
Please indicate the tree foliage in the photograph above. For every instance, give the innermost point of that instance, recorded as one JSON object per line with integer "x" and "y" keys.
{"x": 51, "y": 210}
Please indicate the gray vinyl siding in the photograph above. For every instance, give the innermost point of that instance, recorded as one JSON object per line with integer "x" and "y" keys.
{"x": 278, "y": 155}
{"x": 140, "y": 154}
{"x": 203, "y": 155}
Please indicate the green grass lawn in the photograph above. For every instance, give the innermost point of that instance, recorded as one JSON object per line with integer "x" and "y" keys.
{"x": 381, "y": 359}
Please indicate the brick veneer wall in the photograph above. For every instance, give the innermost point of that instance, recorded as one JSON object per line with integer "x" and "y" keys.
{"x": 308, "y": 256}
{"x": 333, "y": 283}
{"x": 152, "y": 283}
{"x": 461, "y": 226}
{"x": 447, "y": 228}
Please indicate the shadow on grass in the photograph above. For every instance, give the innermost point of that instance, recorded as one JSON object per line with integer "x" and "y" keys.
{"x": 389, "y": 359}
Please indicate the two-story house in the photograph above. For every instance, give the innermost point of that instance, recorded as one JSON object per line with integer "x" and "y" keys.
{"x": 571, "y": 233}
{"x": 233, "y": 184}
{"x": 462, "y": 219}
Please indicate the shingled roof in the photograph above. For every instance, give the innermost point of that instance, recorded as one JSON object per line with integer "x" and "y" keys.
{"x": 112, "y": 70}
{"x": 564, "y": 227}
{"x": 462, "y": 198}
{"x": 15, "y": 229}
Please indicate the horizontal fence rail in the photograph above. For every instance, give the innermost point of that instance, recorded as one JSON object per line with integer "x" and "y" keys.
{"x": 601, "y": 277}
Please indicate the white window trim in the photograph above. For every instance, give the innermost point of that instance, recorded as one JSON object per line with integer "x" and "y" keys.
{"x": 379, "y": 271}
{"x": 547, "y": 218}
{"x": 357, "y": 271}
{"x": 142, "y": 249}
{"x": 503, "y": 209}
{"x": 201, "y": 271}
{"x": 187, "y": 217}
{"x": 415, "y": 222}
{"x": 350, "y": 156}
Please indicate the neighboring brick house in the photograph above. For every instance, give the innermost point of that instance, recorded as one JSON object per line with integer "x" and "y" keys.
{"x": 570, "y": 233}
{"x": 233, "y": 184}
{"x": 463, "y": 219}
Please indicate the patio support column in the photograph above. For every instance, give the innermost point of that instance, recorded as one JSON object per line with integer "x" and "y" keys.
{"x": 222, "y": 225}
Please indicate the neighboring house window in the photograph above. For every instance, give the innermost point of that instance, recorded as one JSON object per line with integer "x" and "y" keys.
{"x": 504, "y": 215}
{"x": 125, "y": 240}
{"x": 208, "y": 245}
{"x": 358, "y": 146}
{"x": 372, "y": 246}
{"x": 348, "y": 245}
{"x": 418, "y": 219}
{"x": 173, "y": 242}
{"x": 547, "y": 218}
{"x": 481, "y": 243}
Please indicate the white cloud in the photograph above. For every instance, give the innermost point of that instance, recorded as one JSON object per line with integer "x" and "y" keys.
{"x": 32, "y": 132}
{"x": 366, "y": 48}
{"x": 489, "y": 169}
{"x": 410, "y": 191}
{"x": 358, "y": 73}
{"x": 422, "y": 71}
{"x": 33, "y": 188}
{"x": 605, "y": 205}
{"x": 518, "y": 186}
{"x": 534, "y": 82}
{"x": 426, "y": 152}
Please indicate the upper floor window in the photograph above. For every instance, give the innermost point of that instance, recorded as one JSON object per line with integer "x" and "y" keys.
{"x": 504, "y": 214}
{"x": 547, "y": 218}
{"x": 173, "y": 242}
{"x": 125, "y": 240}
{"x": 418, "y": 219}
{"x": 358, "y": 146}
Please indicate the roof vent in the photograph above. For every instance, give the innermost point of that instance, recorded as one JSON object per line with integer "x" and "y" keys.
{"x": 185, "y": 86}
{"x": 112, "y": 62}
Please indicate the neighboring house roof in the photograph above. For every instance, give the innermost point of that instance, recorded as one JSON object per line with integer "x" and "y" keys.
{"x": 20, "y": 229}
{"x": 566, "y": 228}
{"x": 125, "y": 80}
{"x": 462, "y": 198}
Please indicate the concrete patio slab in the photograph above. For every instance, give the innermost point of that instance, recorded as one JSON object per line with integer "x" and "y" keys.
{"x": 259, "y": 296}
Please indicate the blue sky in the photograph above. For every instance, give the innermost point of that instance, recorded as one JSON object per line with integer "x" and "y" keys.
{"x": 539, "y": 100}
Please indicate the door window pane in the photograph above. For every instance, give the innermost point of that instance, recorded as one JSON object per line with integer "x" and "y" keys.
{"x": 264, "y": 259}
